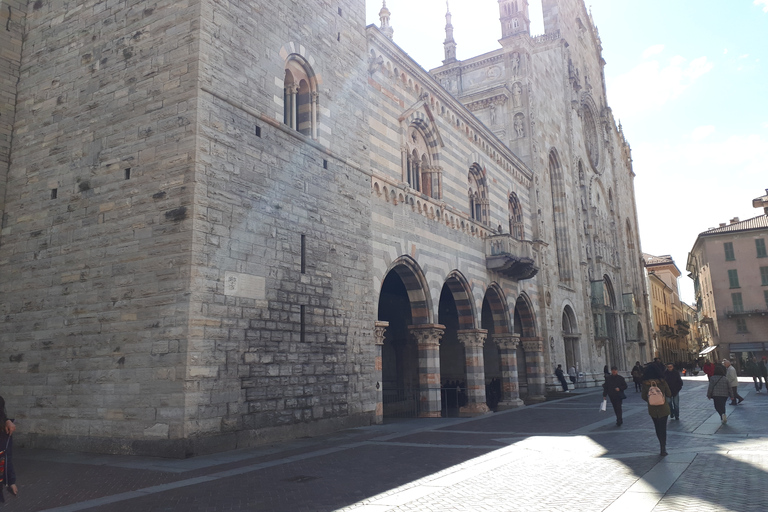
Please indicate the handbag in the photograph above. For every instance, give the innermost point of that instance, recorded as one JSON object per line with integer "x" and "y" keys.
{"x": 623, "y": 395}
{"x": 655, "y": 395}
{"x": 603, "y": 405}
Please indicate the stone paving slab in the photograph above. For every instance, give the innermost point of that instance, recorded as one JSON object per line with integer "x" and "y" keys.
{"x": 560, "y": 455}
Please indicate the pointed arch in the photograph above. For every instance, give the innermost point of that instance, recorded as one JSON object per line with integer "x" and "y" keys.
{"x": 478, "y": 194}
{"x": 525, "y": 317}
{"x": 421, "y": 169}
{"x": 409, "y": 272}
{"x": 499, "y": 309}
{"x": 569, "y": 323}
{"x": 516, "y": 223}
{"x": 462, "y": 296}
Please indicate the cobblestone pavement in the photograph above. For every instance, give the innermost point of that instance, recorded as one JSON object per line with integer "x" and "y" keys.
{"x": 559, "y": 455}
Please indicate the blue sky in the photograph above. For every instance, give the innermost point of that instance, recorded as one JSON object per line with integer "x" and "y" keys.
{"x": 688, "y": 79}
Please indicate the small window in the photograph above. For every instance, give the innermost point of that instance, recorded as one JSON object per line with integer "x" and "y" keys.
{"x": 54, "y": 193}
{"x": 741, "y": 324}
{"x": 257, "y": 130}
{"x": 340, "y": 11}
{"x": 765, "y": 296}
{"x": 760, "y": 246}
{"x": 733, "y": 278}
{"x": 764, "y": 275}
{"x": 325, "y": 164}
{"x": 128, "y": 173}
{"x": 738, "y": 305}
{"x": 729, "y": 251}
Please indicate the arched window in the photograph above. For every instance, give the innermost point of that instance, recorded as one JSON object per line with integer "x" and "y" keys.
{"x": 516, "y": 228}
{"x": 419, "y": 169}
{"x": 478, "y": 194}
{"x": 300, "y": 96}
{"x": 559, "y": 214}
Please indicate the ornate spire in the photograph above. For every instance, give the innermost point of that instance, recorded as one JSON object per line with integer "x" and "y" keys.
{"x": 384, "y": 14}
{"x": 449, "y": 44}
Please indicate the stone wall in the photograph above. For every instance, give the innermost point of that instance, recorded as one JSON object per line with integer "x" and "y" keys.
{"x": 96, "y": 246}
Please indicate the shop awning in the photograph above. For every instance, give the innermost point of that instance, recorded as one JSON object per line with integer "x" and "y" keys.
{"x": 707, "y": 350}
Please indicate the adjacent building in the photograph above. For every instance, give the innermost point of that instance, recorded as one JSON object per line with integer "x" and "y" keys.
{"x": 226, "y": 223}
{"x": 729, "y": 268}
{"x": 673, "y": 340}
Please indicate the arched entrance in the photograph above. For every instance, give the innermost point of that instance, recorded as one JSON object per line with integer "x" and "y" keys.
{"x": 456, "y": 313}
{"x": 403, "y": 303}
{"x": 530, "y": 360}
{"x": 494, "y": 319}
{"x": 570, "y": 338}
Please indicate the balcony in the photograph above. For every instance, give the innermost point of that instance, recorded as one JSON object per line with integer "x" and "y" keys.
{"x": 667, "y": 331}
{"x": 510, "y": 257}
{"x": 731, "y": 312}
{"x": 683, "y": 328}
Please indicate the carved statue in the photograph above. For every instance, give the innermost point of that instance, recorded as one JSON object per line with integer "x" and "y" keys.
{"x": 519, "y": 127}
{"x": 517, "y": 93}
{"x": 515, "y": 68}
{"x": 493, "y": 114}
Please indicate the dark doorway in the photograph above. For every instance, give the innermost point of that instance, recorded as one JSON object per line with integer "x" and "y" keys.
{"x": 400, "y": 372}
{"x": 452, "y": 359}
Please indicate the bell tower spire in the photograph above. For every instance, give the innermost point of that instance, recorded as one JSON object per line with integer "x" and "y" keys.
{"x": 449, "y": 44}
{"x": 514, "y": 18}
{"x": 384, "y": 15}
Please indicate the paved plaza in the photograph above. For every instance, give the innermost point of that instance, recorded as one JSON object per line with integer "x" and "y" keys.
{"x": 559, "y": 455}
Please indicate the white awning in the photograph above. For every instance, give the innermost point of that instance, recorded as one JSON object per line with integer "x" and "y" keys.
{"x": 707, "y": 350}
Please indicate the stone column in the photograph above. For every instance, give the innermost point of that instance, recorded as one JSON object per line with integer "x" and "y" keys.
{"x": 427, "y": 338}
{"x": 510, "y": 387}
{"x": 293, "y": 93}
{"x": 534, "y": 359}
{"x": 313, "y": 120}
{"x": 378, "y": 330}
{"x": 473, "y": 340}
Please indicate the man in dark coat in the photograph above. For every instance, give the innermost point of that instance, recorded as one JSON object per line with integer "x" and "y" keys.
{"x": 561, "y": 377}
{"x": 675, "y": 383}
{"x": 613, "y": 388}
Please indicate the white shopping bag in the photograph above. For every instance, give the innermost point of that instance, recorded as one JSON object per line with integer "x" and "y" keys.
{"x": 603, "y": 405}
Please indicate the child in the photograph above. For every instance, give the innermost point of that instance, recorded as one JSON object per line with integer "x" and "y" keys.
{"x": 7, "y": 472}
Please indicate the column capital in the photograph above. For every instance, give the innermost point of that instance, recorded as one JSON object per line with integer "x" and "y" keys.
{"x": 472, "y": 337}
{"x": 507, "y": 340}
{"x": 427, "y": 334}
{"x": 533, "y": 344}
{"x": 379, "y": 327}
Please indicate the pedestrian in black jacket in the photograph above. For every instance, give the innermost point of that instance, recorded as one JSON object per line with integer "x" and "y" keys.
{"x": 7, "y": 473}
{"x": 675, "y": 383}
{"x": 613, "y": 388}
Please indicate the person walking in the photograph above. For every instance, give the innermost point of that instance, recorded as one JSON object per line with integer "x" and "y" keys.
{"x": 637, "y": 376}
{"x": 573, "y": 375}
{"x": 561, "y": 377}
{"x": 7, "y": 472}
{"x": 763, "y": 367}
{"x": 719, "y": 390}
{"x": 733, "y": 381}
{"x": 613, "y": 388}
{"x": 655, "y": 391}
{"x": 709, "y": 369}
{"x": 753, "y": 370}
{"x": 675, "y": 383}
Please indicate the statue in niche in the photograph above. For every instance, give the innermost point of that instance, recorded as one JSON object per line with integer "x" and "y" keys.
{"x": 519, "y": 126}
{"x": 581, "y": 182}
{"x": 493, "y": 114}
{"x": 517, "y": 95}
{"x": 515, "y": 67}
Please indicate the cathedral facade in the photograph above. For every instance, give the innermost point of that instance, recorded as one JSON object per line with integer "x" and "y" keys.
{"x": 226, "y": 223}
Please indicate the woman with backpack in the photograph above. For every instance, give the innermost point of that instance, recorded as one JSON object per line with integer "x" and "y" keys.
{"x": 655, "y": 392}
